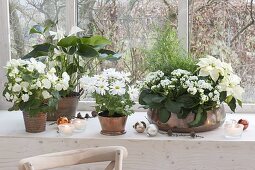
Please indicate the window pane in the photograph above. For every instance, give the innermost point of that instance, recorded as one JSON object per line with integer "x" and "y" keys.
{"x": 129, "y": 24}
{"x": 222, "y": 28}
{"x": 26, "y": 13}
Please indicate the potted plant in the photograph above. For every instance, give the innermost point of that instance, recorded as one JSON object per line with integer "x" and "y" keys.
{"x": 114, "y": 99}
{"x": 184, "y": 101}
{"x": 71, "y": 54}
{"x": 32, "y": 90}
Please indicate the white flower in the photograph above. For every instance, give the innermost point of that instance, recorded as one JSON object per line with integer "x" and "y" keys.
{"x": 46, "y": 83}
{"x": 192, "y": 90}
{"x": 118, "y": 88}
{"x": 25, "y": 97}
{"x": 101, "y": 87}
{"x": 133, "y": 93}
{"x": 46, "y": 94}
{"x": 24, "y": 85}
{"x": 210, "y": 66}
{"x": 165, "y": 83}
{"x": 18, "y": 79}
{"x": 7, "y": 96}
{"x": 38, "y": 84}
{"x": 16, "y": 88}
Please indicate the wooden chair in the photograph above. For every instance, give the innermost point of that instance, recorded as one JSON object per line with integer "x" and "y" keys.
{"x": 115, "y": 154}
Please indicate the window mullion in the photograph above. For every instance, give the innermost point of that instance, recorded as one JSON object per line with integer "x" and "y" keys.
{"x": 71, "y": 14}
{"x": 183, "y": 23}
{"x": 4, "y": 46}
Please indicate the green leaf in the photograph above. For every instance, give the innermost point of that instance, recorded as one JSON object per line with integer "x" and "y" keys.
{"x": 164, "y": 115}
{"x": 87, "y": 51}
{"x": 199, "y": 119}
{"x": 183, "y": 113}
{"x": 223, "y": 96}
{"x": 72, "y": 50}
{"x": 232, "y": 104}
{"x": 68, "y": 41}
{"x": 142, "y": 95}
{"x": 172, "y": 106}
{"x": 39, "y": 50}
{"x": 71, "y": 69}
{"x": 37, "y": 29}
{"x": 109, "y": 55}
{"x": 188, "y": 101}
{"x": 153, "y": 98}
{"x": 239, "y": 102}
{"x": 96, "y": 40}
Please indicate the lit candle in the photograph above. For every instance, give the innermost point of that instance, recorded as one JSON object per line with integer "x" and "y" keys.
{"x": 79, "y": 124}
{"x": 233, "y": 130}
{"x": 66, "y": 129}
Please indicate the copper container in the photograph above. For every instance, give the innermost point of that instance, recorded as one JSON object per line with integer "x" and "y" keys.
{"x": 113, "y": 125}
{"x": 35, "y": 124}
{"x": 215, "y": 118}
{"x": 66, "y": 108}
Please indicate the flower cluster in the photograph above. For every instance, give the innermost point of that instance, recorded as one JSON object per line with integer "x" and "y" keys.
{"x": 112, "y": 91}
{"x": 214, "y": 82}
{"x": 31, "y": 87}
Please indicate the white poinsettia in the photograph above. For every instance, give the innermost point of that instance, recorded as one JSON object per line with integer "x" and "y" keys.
{"x": 61, "y": 34}
{"x": 210, "y": 66}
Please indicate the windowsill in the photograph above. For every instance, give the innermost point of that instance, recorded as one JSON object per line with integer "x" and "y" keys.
{"x": 12, "y": 125}
{"x": 144, "y": 153}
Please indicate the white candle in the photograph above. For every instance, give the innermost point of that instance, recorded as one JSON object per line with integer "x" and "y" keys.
{"x": 66, "y": 129}
{"x": 79, "y": 124}
{"x": 233, "y": 130}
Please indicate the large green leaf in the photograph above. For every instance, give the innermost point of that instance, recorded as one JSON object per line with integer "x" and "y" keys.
{"x": 142, "y": 95}
{"x": 173, "y": 106}
{"x": 200, "y": 118}
{"x": 151, "y": 99}
{"x": 164, "y": 115}
{"x": 39, "y": 50}
{"x": 187, "y": 100}
{"x": 68, "y": 41}
{"x": 86, "y": 51}
{"x": 95, "y": 40}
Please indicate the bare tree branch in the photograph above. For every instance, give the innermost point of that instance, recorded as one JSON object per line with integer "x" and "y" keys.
{"x": 246, "y": 26}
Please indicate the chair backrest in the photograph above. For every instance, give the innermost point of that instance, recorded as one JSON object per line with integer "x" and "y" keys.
{"x": 115, "y": 154}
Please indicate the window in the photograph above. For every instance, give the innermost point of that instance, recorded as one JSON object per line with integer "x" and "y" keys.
{"x": 225, "y": 29}
{"x": 26, "y": 13}
{"x": 215, "y": 27}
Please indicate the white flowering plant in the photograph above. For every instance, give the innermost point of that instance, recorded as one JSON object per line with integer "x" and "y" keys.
{"x": 69, "y": 53}
{"x": 183, "y": 92}
{"x": 112, "y": 92}
{"x": 31, "y": 87}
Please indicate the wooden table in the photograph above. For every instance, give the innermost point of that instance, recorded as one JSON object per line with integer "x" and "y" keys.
{"x": 213, "y": 152}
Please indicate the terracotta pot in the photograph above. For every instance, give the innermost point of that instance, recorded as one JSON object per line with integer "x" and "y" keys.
{"x": 35, "y": 124}
{"x": 112, "y": 125}
{"x": 66, "y": 107}
{"x": 215, "y": 118}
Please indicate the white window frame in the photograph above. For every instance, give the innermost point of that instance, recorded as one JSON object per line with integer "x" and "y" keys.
{"x": 71, "y": 20}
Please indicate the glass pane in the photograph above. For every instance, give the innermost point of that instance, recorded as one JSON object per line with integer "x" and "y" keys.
{"x": 129, "y": 24}
{"x": 26, "y": 13}
{"x": 223, "y": 29}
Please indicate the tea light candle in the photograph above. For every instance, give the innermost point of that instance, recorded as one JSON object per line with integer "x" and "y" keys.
{"x": 79, "y": 124}
{"x": 233, "y": 130}
{"x": 66, "y": 129}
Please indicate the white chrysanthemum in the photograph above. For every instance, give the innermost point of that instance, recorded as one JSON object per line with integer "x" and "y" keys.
{"x": 16, "y": 88}
{"x": 46, "y": 94}
{"x": 25, "y": 97}
{"x": 118, "y": 88}
{"x": 88, "y": 84}
{"x": 46, "y": 83}
{"x": 102, "y": 87}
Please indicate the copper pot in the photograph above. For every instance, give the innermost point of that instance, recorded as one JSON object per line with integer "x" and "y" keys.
{"x": 112, "y": 125}
{"x": 215, "y": 118}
